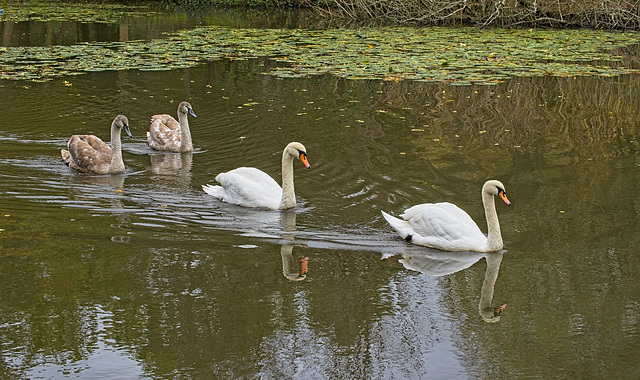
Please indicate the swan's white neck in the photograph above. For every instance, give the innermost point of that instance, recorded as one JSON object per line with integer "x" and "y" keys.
{"x": 288, "y": 199}
{"x": 186, "y": 145}
{"x": 494, "y": 236}
{"x": 117, "y": 165}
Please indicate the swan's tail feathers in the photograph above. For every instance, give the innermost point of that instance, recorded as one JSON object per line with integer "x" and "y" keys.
{"x": 402, "y": 227}
{"x": 151, "y": 142}
{"x": 65, "y": 156}
{"x": 214, "y": 190}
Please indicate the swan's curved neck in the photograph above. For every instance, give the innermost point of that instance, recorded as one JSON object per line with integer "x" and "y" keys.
{"x": 488, "y": 286}
{"x": 186, "y": 145}
{"x": 117, "y": 165}
{"x": 288, "y": 199}
{"x": 494, "y": 236}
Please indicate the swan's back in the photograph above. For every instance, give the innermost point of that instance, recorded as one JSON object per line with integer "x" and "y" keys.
{"x": 444, "y": 226}
{"x": 164, "y": 133}
{"x": 248, "y": 187}
{"x": 88, "y": 153}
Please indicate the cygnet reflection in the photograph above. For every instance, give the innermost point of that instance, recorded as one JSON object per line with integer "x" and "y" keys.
{"x": 171, "y": 163}
{"x": 172, "y": 169}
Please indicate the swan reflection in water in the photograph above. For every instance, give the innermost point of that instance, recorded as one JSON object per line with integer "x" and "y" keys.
{"x": 443, "y": 263}
{"x": 174, "y": 168}
{"x": 293, "y": 270}
{"x": 171, "y": 163}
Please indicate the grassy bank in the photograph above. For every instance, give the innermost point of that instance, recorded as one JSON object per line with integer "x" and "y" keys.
{"x": 600, "y": 14}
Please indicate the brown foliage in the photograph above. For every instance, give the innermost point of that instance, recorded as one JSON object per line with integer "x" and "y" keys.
{"x": 605, "y": 14}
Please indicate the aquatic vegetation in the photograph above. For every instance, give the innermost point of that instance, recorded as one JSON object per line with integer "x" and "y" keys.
{"x": 458, "y": 55}
{"x": 57, "y": 10}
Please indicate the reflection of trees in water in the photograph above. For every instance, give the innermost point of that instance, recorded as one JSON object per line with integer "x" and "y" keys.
{"x": 561, "y": 118}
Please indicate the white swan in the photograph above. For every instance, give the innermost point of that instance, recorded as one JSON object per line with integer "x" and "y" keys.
{"x": 447, "y": 227}
{"x": 89, "y": 154}
{"x": 251, "y": 187}
{"x": 165, "y": 133}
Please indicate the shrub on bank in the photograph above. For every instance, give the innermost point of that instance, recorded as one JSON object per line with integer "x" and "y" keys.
{"x": 608, "y": 14}
{"x": 605, "y": 14}
{"x": 235, "y": 3}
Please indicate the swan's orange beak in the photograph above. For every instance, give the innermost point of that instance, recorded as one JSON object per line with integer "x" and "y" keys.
{"x": 303, "y": 158}
{"x": 503, "y": 196}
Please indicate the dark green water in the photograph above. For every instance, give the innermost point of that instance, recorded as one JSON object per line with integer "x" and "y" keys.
{"x": 144, "y": 275}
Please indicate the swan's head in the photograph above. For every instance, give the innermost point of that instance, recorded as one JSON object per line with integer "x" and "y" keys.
{"x": 296, "y": 149}
{"x": 495, "y": 187}
{"x": 122, "y": 122}
{"x": 185, "y": 108}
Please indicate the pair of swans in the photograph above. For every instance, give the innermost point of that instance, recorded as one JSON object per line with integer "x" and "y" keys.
{"x": 89, "y": 154}
{"x": 443, "y": 226}
{"x": 244, "y": 186}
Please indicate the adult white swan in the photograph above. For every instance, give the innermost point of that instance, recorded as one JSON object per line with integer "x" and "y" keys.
{"x": 165, "y": 133}
{"x": 89, "y": 154}
{"x": 251, "y": 187}
{"x": 447, "y": 227}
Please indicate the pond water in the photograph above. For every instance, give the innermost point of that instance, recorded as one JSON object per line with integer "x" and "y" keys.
{"x": 143, "y": 275}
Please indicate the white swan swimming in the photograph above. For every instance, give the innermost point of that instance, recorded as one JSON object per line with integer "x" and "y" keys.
{"x": 447, "y": 227}
{"x": 251, "y": 187}
{"x": 165, "y": 133}
{"x": 89, "y": 154}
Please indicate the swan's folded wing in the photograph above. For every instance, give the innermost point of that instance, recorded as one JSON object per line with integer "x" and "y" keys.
{"x": 250, "y": 187}
{"x": 164, "y": 131}
{"x": 97, "y": 144}
{"x": 444, "y": 226}
{"x": 88, "y": 151}
{"x": 165, "y": 122}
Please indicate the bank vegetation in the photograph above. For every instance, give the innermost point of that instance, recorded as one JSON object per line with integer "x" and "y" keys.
{"x": 599, "y": 14}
